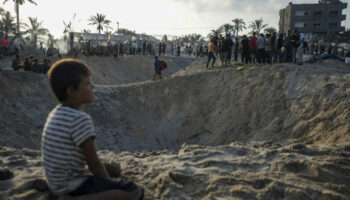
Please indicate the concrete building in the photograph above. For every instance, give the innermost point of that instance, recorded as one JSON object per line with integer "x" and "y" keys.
{"x": 313, "y": 19}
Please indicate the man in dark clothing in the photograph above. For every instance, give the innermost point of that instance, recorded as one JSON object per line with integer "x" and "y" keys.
{"x": 295, "y": 40}
{"x": 245, "y": 49}
{"x": 279, "y": 47}
{"x": 16, "y": 63}
{"x": 45, "y": 66}
{"x": 288, "y": 48}
{"x": 236, "y": 49}
{"x": 229, "y": 45}
{"x": 27, "y": 65}
{"x": 221, "y": 52}
{"x": 144, "y": 46}
{"x": 274, "y": 47}
{"x": 36, "y": 67}
{"x": 226, "y": 50}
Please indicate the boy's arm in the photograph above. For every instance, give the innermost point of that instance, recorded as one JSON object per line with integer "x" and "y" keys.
{"x": 94, "y": 163}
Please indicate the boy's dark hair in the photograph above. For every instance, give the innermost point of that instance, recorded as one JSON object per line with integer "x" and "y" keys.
{"x": 64, "y": 74}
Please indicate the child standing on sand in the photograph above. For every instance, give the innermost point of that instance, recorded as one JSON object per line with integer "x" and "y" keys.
{"x": 68, "y": 141}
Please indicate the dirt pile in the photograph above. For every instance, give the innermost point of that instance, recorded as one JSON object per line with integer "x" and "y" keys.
{"x": 282, "y": 103}
{"x": 261, "y": 170}
{"x": 266, "y": 132}
{"x": 130, "y": 69}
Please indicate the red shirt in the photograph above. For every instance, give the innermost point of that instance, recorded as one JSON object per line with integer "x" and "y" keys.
{"x": 4, "y": 43}
{"x": 253, "y": 41}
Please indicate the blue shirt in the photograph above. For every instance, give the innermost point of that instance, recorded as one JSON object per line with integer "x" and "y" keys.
{"x": 155, "y": 64}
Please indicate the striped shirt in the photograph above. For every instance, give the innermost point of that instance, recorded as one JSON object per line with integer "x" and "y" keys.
{"x": 64, "y": 161}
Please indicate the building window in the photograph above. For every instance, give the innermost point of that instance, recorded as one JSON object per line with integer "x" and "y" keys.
{"x": 333, "y": 24}
{"x": 318, "y": 13}
{"x": 301, "y": 13}
{"x": 334, "y": 13}
{"x": 300, "y": 25}
{"x": 316, "y": 25}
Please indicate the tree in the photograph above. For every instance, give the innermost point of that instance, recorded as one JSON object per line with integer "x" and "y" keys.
{"x": 257, "y": 25}
{"x": 215, "y": 33}
{"x": 270, "y": 30}
{"x": 50, "y": 40}
{"x": 238, "y": 25}
{"x": 345, "y": 36}
{"x": 35, "y": 30}
{"x": 86, "y": 31}
{"x": 195, "y": 37}
{"x": 17, "y": 4}
{"x": 124, "y": 31}
{"x": 101, "y": 22}
{"x": 331, "y": 37}
{"x": 227, "y": 28}
{"x": 165, "y": 38}
{"x": 7, "y": 24}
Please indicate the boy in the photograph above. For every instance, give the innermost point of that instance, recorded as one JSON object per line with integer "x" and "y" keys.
{"x": 157, "y": 68}
{"x": 16, "y": 63}
{"x": 68, "y": 140}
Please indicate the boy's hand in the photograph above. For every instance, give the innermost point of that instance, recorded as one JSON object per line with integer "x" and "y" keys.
{"x": 113, "y": 169}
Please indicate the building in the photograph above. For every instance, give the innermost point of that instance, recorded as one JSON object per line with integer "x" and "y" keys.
{"x": 313, "y": 19}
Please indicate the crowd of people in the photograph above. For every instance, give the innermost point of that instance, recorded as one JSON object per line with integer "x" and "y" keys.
{"x": 269, "y": 48}
{"x": 31, "y": 63}
{"x": 139, "y": 47}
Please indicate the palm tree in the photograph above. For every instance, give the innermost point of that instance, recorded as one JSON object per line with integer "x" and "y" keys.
{"x": 17, "y": 4}
{"x": 50, "y": 40}
{"x": 7, "y": 24}
{"x": 195, "y": 37}
{"x": 35, "y": 30}
{"x": 238, "y": 25}
{"x": 68, "y": 27}
{"x": 257, "y": 25}
{"x": 101, "y": 22}
{"x": 270, "y": 30}
{"x": 215, "y": 33}
{"x": 227, "y": 28}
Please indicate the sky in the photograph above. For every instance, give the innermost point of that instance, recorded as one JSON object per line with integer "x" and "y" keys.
{"x": 155, "y": 17}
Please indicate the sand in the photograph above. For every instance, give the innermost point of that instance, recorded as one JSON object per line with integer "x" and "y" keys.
{"x": 267, "y": 132}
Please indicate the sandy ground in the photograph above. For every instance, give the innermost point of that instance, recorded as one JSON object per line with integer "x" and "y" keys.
{"x": 262, "y": 170}
{"x": 266, "y": 132}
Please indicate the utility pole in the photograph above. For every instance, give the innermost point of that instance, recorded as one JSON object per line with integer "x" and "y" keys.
{"x": 118, "y": 27}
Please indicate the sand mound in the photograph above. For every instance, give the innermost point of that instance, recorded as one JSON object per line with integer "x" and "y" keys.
{"x": 307, "y": 103}
{"x": 130, "y": 69}
{"x": 262, "y": 170}
{"x": 267, "y": 132}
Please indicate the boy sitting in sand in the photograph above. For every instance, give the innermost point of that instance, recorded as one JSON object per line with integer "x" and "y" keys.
{"x": 68, "y": 141}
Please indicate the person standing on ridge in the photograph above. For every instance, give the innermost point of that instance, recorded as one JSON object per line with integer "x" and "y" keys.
{"x": 4, "y": 45}
{"x": 295, "y": 40}
{"x": 245, "y": 50}
{"x": 144, "y": 47}
{"x": 253, "y": 47}
{"x": 236, "y": 49}
{"x": 261, "y": 49}
{"x": 211, "y": 52}
{"x": 229, "y": 46}
{"x": 157, "y": 65}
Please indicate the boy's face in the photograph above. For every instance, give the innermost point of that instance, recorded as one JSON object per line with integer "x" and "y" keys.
{"x": 84, "y": 93}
